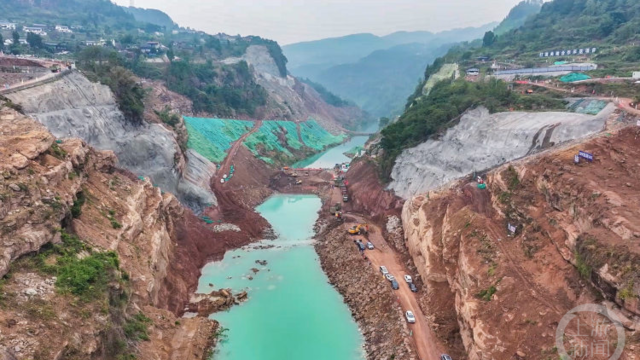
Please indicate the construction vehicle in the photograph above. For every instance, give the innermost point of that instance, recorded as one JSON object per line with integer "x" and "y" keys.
{"x": 360, "y": 229}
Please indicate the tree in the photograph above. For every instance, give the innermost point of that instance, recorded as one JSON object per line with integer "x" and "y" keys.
{"x": 16, "y": 38}
{"x": 384, "y": 121}
{"x": 34, "y": 40}
{"x": 489, "y": 38}
{"x": 1, "y": 43}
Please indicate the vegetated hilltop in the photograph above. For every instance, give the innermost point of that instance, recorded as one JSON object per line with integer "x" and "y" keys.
{"x": 152, "y": 16}
{"x": 92, "y": 14}
{"x": 518, "y": 15}
{"x": 376, "y": 73}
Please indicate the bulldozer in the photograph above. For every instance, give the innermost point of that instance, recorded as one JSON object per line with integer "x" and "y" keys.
{"x": 360, "y": 229}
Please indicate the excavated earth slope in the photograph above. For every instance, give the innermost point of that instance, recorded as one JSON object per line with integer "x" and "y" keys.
{"x": 160, "y": 246}
{"x": 577, "y": 242}
{"x": 482, "y": 140}
{"x": 290, "y": 99}
{"x": 75, "y": 107}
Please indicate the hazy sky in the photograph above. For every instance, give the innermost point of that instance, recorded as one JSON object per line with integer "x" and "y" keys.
{"x": 301, "y": 20}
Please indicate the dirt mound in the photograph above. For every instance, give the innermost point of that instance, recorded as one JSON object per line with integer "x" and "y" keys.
{"x": 10, "y": 61}
{"x": 368, "y": 193}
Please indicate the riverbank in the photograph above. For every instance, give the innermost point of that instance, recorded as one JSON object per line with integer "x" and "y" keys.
{"x": 366, "y": 292}
{"x": 291, "y": 305}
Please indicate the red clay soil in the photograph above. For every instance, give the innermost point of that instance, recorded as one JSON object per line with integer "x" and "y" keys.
{"x": 368, "y": 195}
{"x": 9, "y": 61}
{"x": 569, "y": 217}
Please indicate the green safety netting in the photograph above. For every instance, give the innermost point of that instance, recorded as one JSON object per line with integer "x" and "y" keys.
{"x": 269, "y": 135}
{"x": 574, "y": 77}
{"x": 316, "y": 137}
{"x": 588, "y": 106}
{"x": 560, "y": 63}
{"x": 212, "y": 137}
{"x": 482, "y": 186}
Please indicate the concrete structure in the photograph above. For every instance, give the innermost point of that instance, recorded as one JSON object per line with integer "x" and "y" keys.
{"x": 550, "y": 69}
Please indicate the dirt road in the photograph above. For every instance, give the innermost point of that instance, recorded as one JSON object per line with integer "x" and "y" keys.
{"x": 425, "y": 341}
{"x": 233, "y": 151}
{"x": 622, "y": 103}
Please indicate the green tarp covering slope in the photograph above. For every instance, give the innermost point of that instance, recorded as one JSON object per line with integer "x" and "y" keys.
{"x": 212, "y": 137}
{"x": 574, "y": 77}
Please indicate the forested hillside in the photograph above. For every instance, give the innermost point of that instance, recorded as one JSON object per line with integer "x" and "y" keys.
{"x": 151, "y": 16}
{"x": 93, "y": 14}
{"x": 518, "y": 15}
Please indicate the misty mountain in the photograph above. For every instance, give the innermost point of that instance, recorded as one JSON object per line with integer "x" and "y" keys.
{"x": 377, "y": 73}
{"x": 381, "y": 81}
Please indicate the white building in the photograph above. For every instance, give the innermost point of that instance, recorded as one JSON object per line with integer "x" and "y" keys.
{"x": 100, "y": 42}
{"x": 5, "y": 25}
{"x": 473, "y": 72}
{"x": 63, "y": 29}
{"x": 35, "y": 30}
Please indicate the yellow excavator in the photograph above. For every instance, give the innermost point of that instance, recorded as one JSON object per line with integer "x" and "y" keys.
{"x": 359, "y": 229}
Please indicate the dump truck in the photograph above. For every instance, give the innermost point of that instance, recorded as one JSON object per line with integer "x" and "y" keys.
{"x": 359, "y": 229}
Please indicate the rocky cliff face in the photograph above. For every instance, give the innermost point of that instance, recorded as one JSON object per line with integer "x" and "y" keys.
{"x": 50, "y": 184}
{"x": 74, "y": 107}
{"x": 500, "y": 296}
{"x": 482, "y": 140}
{"x": 290, "y": 99}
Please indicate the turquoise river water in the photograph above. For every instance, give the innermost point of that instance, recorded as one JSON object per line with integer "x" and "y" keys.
{"x": 335, "y": 155}
{"x": 292, "y": 311}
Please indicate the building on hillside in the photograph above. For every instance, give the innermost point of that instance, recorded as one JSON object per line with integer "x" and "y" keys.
{"x": 483, "y": 58}
{"x": 35, "y": 30}
{"x": 473, "y": 72}
{"x": 5, "y": 25}
{"x": 100, "y": 42}
{"x": 8, "y": 42}
{"x": 57, "y": 47}
{"x": 63, "y": 29}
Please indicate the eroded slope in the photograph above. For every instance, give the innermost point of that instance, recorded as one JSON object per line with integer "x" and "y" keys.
{"x": 576, "y": 242}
